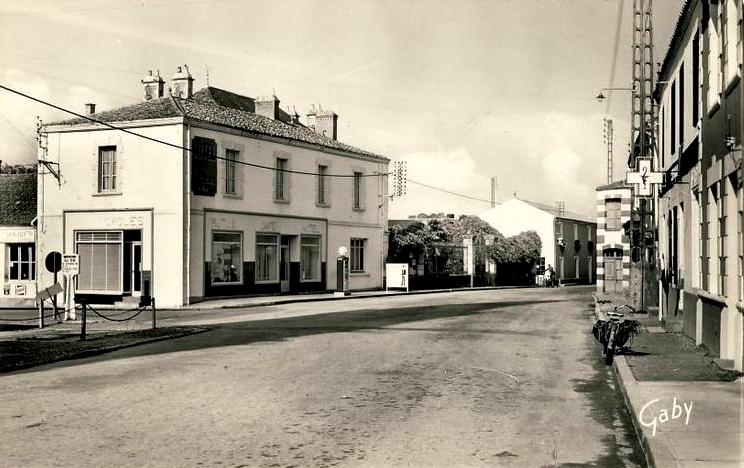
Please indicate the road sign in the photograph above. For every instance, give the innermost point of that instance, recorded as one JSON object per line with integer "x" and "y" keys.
{"x": 49, "y": 292}
{"x": 644, "y": 179}
{"x": 53, "y": 262}
{"x": 70, "y": 264}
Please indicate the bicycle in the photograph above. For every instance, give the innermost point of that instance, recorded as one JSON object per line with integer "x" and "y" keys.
{"x": 614, "y": 332}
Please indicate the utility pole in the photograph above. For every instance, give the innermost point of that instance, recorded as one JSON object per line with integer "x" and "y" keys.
{"x": 609, "y": 139}
{"x": 642, "y": 124}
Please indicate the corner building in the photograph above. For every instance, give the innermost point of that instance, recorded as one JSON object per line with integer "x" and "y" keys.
{"x": 219, "y": 195}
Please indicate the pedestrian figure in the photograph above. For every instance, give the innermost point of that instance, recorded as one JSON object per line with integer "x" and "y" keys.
{"x": 550, "y": 276}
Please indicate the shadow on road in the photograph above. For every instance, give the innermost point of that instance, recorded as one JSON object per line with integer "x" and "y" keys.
{"x": 274, "y": 330}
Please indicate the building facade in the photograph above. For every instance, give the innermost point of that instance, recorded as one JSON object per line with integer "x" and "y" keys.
{"x": 700, "y": 204}
{"x": 216, "y": 195}
{"x": 568, "y": 239}
{"x": 614, "y": 206}
{"x": 18, "y": 239}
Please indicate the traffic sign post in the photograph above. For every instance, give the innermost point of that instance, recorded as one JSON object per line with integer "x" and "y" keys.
{"x": 644, "y": 179}
{"x": 70, "y": 268}
{"x": 53, "y": 263}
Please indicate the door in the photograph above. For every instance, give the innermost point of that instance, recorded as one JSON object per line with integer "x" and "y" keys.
{"x": 613, "y": 281}
{"x": 136, "y": 273}
{"x": 284, "y": 265}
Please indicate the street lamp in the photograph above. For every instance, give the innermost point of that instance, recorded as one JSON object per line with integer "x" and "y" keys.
{"x": 601, "y": 97}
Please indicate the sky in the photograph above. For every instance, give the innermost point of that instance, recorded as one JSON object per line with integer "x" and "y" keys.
{"x": 461, "y": 90}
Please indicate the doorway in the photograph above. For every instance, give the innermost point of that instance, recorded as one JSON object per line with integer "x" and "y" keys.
{"x": 136, "y": 273}
{"x": 284, "y": 264}
{"x": 613, "y": 280}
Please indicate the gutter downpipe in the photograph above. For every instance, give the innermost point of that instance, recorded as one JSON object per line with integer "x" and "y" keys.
{"x": 187, "y": 194}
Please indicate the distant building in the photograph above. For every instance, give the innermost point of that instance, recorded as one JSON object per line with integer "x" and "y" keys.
{"x": 614, "y": 206}
{"x": 568, "y": 239}
{"x": 236, "y": 197}
{"x": 17, "y": 239}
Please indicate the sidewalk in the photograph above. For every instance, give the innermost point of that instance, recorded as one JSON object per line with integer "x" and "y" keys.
{"x": 685, "y": 409}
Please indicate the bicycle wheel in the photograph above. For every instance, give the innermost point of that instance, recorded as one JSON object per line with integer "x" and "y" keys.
{"x": 610, "y": 352}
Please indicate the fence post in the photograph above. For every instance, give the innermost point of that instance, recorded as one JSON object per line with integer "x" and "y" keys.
{"x": 153, "y": 312}
{"x": 40, "y": 303}
{"x": 82, "y": 325}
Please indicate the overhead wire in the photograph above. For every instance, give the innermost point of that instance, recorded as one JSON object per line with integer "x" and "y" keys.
{"x": 177, "y": 146}
{"x": 439, "y": 189}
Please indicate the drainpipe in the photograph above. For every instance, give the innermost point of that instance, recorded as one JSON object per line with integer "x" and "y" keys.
{"x": 187, "y": 194}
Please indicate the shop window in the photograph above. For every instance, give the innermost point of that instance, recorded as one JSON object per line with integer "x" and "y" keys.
{"x": 267, "y": 258}
{"x": 357, "y": 256}
{"x": 310, "y": 258}
{"x": 227, "y": 258}
{"x": 21, "y": 262}
{"x": 100, "y": 257}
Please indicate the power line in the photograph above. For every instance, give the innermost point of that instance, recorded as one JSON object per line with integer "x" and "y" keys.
{"x": 615, "y": 50}
{"x": 174, "y": 145}
{"x": 449, "y": 191}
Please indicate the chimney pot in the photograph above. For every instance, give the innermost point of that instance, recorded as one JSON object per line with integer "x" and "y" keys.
{"x": 182, "y": 83}
{"x": 90, "y": 108}
{"x": 154, "y": 86}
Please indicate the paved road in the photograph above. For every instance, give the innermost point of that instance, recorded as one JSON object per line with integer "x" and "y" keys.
{"x": 485, "y": 378}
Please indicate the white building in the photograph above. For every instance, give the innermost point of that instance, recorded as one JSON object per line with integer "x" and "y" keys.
{"x": 17, "y": 239}
{"x": 568, "y": 239}
{"x": 218, "y": 195}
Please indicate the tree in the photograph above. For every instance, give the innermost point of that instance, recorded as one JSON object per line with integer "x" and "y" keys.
{"x": 413, "y": 239}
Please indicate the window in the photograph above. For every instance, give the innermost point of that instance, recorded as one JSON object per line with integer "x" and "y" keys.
{"x": 357, "y": 191}
{"x": 740, "y": 224}
{"x": 280, "y": 180}
{"x": 673, "y": 121}
{"x": 21, "y": 262}
{"x": 322, "y": 196}
{"x": 309, "y": 258}
{"x": 357, "y": 256}
{"x": 662, "y": 151}
{"x": 231, "y": 156}
{"x": 203, "y": 166}
{"x": 714, "y": 84}
{"x": 267, "y": 258}
{"x": 722, "y": 247}
{"x": 227, "y": 258}
{"x": 541, "y": 266}
{"x": 576, "y": 266}
{"x": 681, "y": 106}
{"x": 704, "y": 234}
{"x": 590, "y": 247}
{"x": 100, "y": 257}
{"x": 107, "y": 169}
{"x": 695, "y": 78}
{"x": 723, "y": 51}
{"x": 612, "y": 214}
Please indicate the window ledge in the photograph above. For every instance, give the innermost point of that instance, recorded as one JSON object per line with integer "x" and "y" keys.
{"x": 318, "y": 280}
{"x": 234, "y": 196}
{"x": 357, "y": 209}
{"x": 223, "y": 283}
{"x": 267, "y": 282}
{"x": 322, "y": 205}
{"x": 282, "y": 201}
{"x": 107, "y": 194}
{"x": 710, "y": 296}
{"x": 359, "y": 273}
{"x": 731, "y": 84}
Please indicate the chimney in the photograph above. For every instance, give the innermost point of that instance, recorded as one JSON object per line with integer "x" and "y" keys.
{"x": 326, "y": 123}
{"x": 268, "y": 106}
{"x": 311, "y": 118}
{"x": 182, "y": 84}
{"x": 154, "y": 86}
{"x": 294, "y": 117}
{"x": 90, "y": 108}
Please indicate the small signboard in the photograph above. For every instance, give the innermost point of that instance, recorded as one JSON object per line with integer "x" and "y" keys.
{"x": 49, "y": 292}
{"x": 70, "y": 264}
{"x": 396, "y": 275}
{"x": 53, "y": 262}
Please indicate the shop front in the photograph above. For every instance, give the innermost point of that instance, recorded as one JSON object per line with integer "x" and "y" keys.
{"x": 255, "y": 254}
{"x": 18, "y": 258}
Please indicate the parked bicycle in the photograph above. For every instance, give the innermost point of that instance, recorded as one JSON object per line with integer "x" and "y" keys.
{"x": 615, "y": 332}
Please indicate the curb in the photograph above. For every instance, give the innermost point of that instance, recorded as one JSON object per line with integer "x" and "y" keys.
{"x": 297, "y": 299}
{"x": 626, "y": 379}
{"x": 105, "y": 349}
